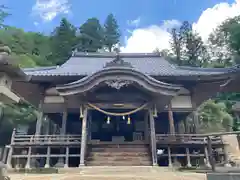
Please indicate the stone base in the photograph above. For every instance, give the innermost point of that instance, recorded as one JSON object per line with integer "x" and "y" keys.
{"x": 223, "y": 176}
{"x": 81, "y": 165}
{"x": 46, "y": 166}
{"x": 208, "y": 165}
{"x": 60, "y": 163}
{"x": 227, "y": 165}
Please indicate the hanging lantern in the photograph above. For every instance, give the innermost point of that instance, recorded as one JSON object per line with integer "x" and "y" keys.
{"x": 155, "y": 111}
{"x": 129, "y": 120}
{"x": 108, "y": 120}
{"x": 81, "y": 111}
{"x": 123, "y": 117}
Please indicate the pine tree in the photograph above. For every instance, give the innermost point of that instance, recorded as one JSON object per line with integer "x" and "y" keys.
{"x": 91, "y": 36}
{"x": 111, "y": 32}
{"x": 63, "y": 39}
{"x": 187, "y": 46}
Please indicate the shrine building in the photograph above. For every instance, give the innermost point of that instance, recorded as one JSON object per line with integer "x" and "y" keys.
{"x": 116, "y": 109}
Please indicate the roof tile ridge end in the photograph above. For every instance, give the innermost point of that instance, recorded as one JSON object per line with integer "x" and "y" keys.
{"x": 40, "y": 68}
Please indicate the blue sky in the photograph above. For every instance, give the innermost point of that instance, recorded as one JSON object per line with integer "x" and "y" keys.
{"x": 132, "y": 15}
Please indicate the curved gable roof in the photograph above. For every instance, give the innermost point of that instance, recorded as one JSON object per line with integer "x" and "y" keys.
{"x": 118, "y": 75}
{"x": 85, "y": 64}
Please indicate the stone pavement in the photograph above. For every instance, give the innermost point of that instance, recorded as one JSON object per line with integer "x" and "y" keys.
{"x": 113, "y": 173}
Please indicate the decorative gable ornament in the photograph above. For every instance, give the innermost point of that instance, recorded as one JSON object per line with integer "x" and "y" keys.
{"x": 118, "y": 83}
{"x": 118, "y": 62}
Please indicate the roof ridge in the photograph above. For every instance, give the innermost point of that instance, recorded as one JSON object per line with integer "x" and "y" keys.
{"x": 113, "y": 54}
{"x": 206, "y": 69}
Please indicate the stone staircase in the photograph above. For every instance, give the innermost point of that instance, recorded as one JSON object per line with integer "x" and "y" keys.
{"x": 119, "y": 155}
{"x": 232, "y": 148}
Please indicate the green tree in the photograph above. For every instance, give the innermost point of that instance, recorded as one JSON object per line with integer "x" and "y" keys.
{"x": 91, "y": 36}
{"x": 13, "y": 115}
{"x": 28, "y": 48}
{"x": 214, "y": 116}
{"x": 111, "y": 32}
{"x": 63, "y": 39}
{"x": 225, "y": 47}
{"x": 226, "y": 41}
{"x": 178, "y": 42}
{"x": 187, "y": 46}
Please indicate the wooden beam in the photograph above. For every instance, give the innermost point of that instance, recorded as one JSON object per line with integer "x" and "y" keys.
{"x": 29, "y": 92}
{"x": 203, "y": 91}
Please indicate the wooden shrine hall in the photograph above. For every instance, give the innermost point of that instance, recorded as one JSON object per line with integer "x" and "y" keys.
{"x": 116, "y": 109}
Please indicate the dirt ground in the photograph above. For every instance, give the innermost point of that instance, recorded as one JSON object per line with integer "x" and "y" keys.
{"x": 112, "y": 175}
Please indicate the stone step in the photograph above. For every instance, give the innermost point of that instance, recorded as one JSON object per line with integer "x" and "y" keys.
{"x": 107, "y": 154}
{"x": 120, "y": 145}
{"x": 119, "y": 163}
{"x": 119, "y": 155}
{"x": 116, "y": 169}
{"x": 114, "y": 158}
{"x": 125, "y": 149}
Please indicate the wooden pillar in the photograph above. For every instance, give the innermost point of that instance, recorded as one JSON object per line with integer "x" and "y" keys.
{"x": 90, "y": 125}
{"x": 66, "y": 157}
{"x": 83, "y": 138}
{"x": 169, "y": 157}
{"x": 153, "y": 138}
{"x": 64, "y": 122}
{"x": 146, "y": 128}
{"x": 39, "y": 119}
{"x": 195, "y": 121}
{"x": 28, "y": 166}
{"x": 4, "y": 157}
{"x": 47, "y": 163}
{"x": 60, "y": 162}
{"x": 207, "y": 164}
{"x": 186, "y": 127}
{"x": 47, "y": 130}
{"x": 238, "y": 122}
{"x": 209, "y": 145}
{"x": 171, "y": 120}
{"x": 226, "y": 156}
{"x": 10, "y": 152}
{"x": 188, "y": 158}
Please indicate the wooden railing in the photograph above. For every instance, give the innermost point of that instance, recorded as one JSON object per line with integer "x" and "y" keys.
{"x": 45, "y": 139}
{"x": 186, "y": 139}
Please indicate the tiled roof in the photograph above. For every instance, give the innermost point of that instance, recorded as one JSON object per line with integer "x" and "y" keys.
{"x": 83, "y": 64}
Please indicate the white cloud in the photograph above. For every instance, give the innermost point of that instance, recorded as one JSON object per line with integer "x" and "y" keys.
{"x": 36, "y": 23}
{"x": 47, "y": 10}
{"x": 134, "y": 22}
{"x": 212, "y": 17}
{"x": 150, "y": 38}
{"x": 157, "y": 36}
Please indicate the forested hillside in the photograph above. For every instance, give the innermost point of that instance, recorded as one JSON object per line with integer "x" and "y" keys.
{"x": 35, "y": 49}
{"x": 32, "y": 49}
